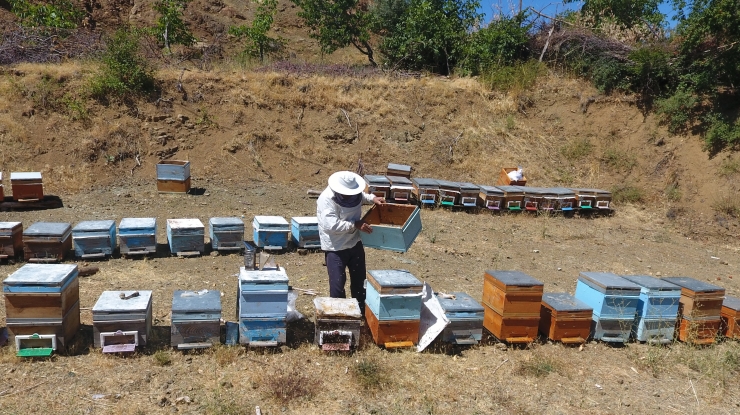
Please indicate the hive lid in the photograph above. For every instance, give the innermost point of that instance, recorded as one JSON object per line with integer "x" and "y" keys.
{"x": 203, "y": 301}
{"x": 184, "y": 223}
{"x": 42, "y": 274}
{"x": 733, "y": 303}
{"x": 137, "y": 223}
{"x": 94, "y": 225}
{"x": 461, "y": 302}
{"x": 490, "y": 189}
{"x": 511, "y": 189}
{"x": 226, "y": 221}
{"x": 468, "y": 187}
{"x": 263, "y": 276}
{"x": 111, "y": 302}
{"x": 517, "y": 278}
{"x": 8, "y": 225}
{"x": 377, "y": 179}
{"x": 25, "y": 175}
{"x": 694, "y": 284}
{"x": 395, "y": 278}
{"x": 607, "y": 280}
{"x": 270, "y": 220}
{"x": 48, "y": 228}
{"x": 305, "y": 220}
{"x": 587, "y": 191}
{"x": 336, "y": 307}
{"x": 399, "y": 167}
{"x": 449, "y": 184}
{"x": 421, "y": 181}
{"x": 562, "y": 191}
{"x": 399, "y": 181}
{"x": 564, "y": 302}
{"x": 652, "y": 282}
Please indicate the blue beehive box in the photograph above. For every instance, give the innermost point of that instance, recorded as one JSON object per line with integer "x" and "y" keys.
{"x": 304, "y": 231}
{"x": 186, "y": 236}
{"x": 263, "y": 307}
{"x": 657, "y": 309}
{"x": 614, "y": 300}
{"x": 466, "y": 318}
{"x": 227, "y": 234}
{"x": 94, "y": 238}
{"x": 271, "y": 232}
{"x": 196, "y": 319}
{"x": 395, "y": 227}
{"x": 393, "y": 295}
{"x": 138, "y": 236}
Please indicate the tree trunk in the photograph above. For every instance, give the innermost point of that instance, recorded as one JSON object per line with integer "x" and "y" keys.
{"x": 368, "y": 51}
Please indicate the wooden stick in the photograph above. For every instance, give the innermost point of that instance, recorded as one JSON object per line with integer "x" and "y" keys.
{"x": 551, "y": 18}
{"x": 313, "y": 193}
{"x": 547, "y": 42}
{"x": 346, "y": 116}
{"x": 499, "y": 365}
{"x": 692, "y": 388}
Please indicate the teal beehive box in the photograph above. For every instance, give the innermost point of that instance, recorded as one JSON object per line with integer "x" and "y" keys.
{"x": 138, "y": 236}
{"x": 395, "y": 227}
{"x": 94, "y": 238}
{"x": 614, "y": 301}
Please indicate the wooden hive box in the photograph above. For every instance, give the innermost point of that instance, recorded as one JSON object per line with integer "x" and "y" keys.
{"x": 393, "y": 295}
{"x": 262, "y": 307}
{"x": 657, "y": 309}
{"x": 566, "y": 199}
{"x": 27, "y": 186}
{"x": 565, "y": 318}
{"x": 173, "y": 176}
{"x": 426, "y": 191}
{"x": 338, "y": 322}
{"x": 469, "y": 194}
{"x": 186, "y": 236}
{"x": 196, "y": 319}
{"x": 42, "y": 300}
{"x": 271, "y": 232}
{"x": 304, "y": 231}
{"x": 730, "y": 315}
{"x": 504, "y": 179}
{"x": 227, "y": 234}
{"x": 513, "y": 198}
{"x": 392, "y": 333}
{"x": 465, "y": 316}
{"x": 402, "y": 170}
{"x": 533, "y": 198}
{"x": 94, "y": 238}
{"x": 699, "y": 299}
{"x": 122, "y": 320}
{"x": 395, "y": 227}
{"x": 548, "y": 200}
{"x": 491, "y": 198}
{"x": 138, "y": 236}
{"x": 614, "y": 301}
{"x": 11, "y": 240}
{"x": 593, "y": 199}
{"x": 401, "y": 189}
{"x": 698, "y": 330}
{"x": 378, "y": 185}
{"x": 47, "y": 241}
{"x": 449, "y": 193}
{"x": 512, "y": 293}
{"x": 510, "y": 329}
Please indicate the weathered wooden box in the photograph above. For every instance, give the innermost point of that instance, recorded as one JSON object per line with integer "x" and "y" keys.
{"x": 122, "y": 320}
{"x": 548, "y": 201}
{"x": 263, "y": 294}
{"x": 512, "y": 293}
{"x": 304, "y": 232}
{"x": 699, "y": 299}
{"x": 378, "y": 185}
{"x": 614, "y": 301}
{"x": 657, "y": 309}
{"x": 513, "y": 198}
{"x": 449, "y": 193}
{"x": 392, "y": 333}
{"x": 469, "y": 194}
{"x": 730, "y": 315}
{"x": 393, "y": 295}
{"x": 565, "y": 199}
{"x": 533, "y": 198}
{"x": 227, "y": 234}
{"x": 564, "y": 318}
{"x": 138, "y": 236}
{"x": 504, "y": 180}
{"x": 196, "y": 319}
{"x": 698, "y": 330}
{"x": 465, "y": 316}
{"x": 401, "y": 189}
{"x": 11, "y": 240}
{"x": 262, "y": 332}
{"x": 491, "y": 198}
{"x": 426, "y": 191}
{"x": 173, "y": 176}
{"x": 510, "y": 329}
{"x": 42, "y": 299}
{"x": 395, "y": 227}
{"x": 47, "y": 241}
{"x": 402, "y": 170}
{"x": 26, "y": 186}
{"x": 338, "y": 322}
{"x": 94, "y": 238}
{"x": 186, "y": 236}
{"x": 271, "y": 232}
{"x": 593, "y": 198}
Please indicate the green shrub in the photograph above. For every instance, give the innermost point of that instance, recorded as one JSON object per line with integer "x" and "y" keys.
{"x": 62, "y": 14}
{"x": 170, "y": 28}
{"x": 518, "y": 77}
{"x": 678, "y": 111}
{"x": 729, "y": 167}
{"x": 619, "y": 160}
{"x": 124, "y": 71}
{"x": 501, "y": 43}
{"x": 577, "y": 149}
{"x": 720, "y": 133}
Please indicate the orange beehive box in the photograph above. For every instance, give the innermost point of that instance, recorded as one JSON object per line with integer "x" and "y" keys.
{"x": 564, "y": 318}
{"x": 512, "y": 293}
{"x": 26, "y": 186}
{"x": 392, "y": 333}
{"x": 699, "y": 299}
{"x": 729, "y": 316}
{"x": 11, "y": 239}
{"x": 510, "y": 329}
{"x": 698, "y": 331}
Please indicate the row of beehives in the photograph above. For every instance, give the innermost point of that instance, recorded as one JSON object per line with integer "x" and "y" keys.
{"x": 26, "y": 186}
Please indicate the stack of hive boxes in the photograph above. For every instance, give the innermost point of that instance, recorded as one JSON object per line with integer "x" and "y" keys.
{"x": 614, "y": 300}
{"x": 304, "y": 232}
{"x": 27, "y": 186}
{"x": 393, "y": 307}
{"x": 700, "y": 310}
{"x": 122, "y": 320}
{"x": 173, "y": 176}
{"x": 730, "y": 314}
{"x": 263, "y": 306}
{"x": 196, "y": 319}
{"x": 657, "y": 309}
{"x": 512, "y": 301}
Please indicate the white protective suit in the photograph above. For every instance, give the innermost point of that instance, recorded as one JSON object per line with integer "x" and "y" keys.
{"x": 336, "y": 223}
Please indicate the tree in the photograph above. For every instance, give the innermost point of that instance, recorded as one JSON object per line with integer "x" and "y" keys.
{"x": 170, "y": 28}
{"x": 63, "y": 14}
{"x": 339, "y": 23}
{"x": 501, "y": 43}
{"x": 626, "y": 13}
{"x": 124, "y": 71}
{"x": 257, "y": 40}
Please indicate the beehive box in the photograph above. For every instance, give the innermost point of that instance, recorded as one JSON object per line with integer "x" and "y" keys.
{"x": 566, "y": 199}
{"x": 186, "y": 236}
{"x": 564, "y": 318}
{"x": 378, "y": 185}
{"x": 392, "y": 333}
{"x": 393, "y": 295}
{"x": 698, "y": 330}
{"x": 401, "y": 189}
{"x": 262, "y": 307}
{"x": 490, "y": 197}
{"x": 513, "y": 198}
{"x": 173, "y": 176}
{"x": 657, "y": 309}
{"x": 398, "y": 170}
{"x": 196, "y": 319}
{"x": 548, "y": 200}
{"x": 138, "y": 236}
{"x": 533, "y": 198}
{"x": 510, "y": 329}
{"x": 699, "y": 300}
{"x": 270, "y": 232}
{"x": 337, "y": 323}
{"x": 47, "y": 241}
{"x": 614, "y": 301}
{"x": 395, "y": 227}
{"x": 512, "y": 293}
{"x": 465, "y": 316}
{"x": 11, "y": 240}
{"x": 27, "y": 186}
{"x": 122, "y": 320}
{"x": 504, "y": 179}
{"x": 227, "y": 234}
{"x": 730, "y": 315}
{"x": 469, "y": 194}
{"x": 449, "y": 193}
{"x": 593, "y": 198}
{"x": 304, "y": 231}
{"x": 426, "y": 191}
{"x": 42, "y": 299}
{"x": 94, "y": 238}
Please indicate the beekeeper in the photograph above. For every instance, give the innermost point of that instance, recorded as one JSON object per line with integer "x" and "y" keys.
{"x": 339, "y": 212}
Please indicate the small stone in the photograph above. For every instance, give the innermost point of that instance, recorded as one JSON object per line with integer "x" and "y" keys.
{"x": 560, "y": 269}
{"x": 214, "y": 253}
